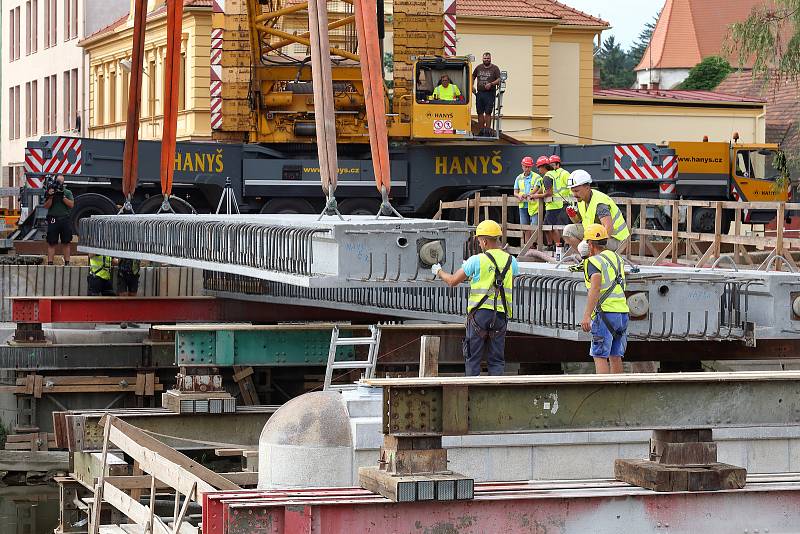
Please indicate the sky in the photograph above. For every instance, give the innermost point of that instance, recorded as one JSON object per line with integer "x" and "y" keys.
{"x": 627, "y": 17}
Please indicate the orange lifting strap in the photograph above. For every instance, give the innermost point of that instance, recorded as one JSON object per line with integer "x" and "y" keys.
{"x": 130, "y": 159}
{"x": 172, "y": 85}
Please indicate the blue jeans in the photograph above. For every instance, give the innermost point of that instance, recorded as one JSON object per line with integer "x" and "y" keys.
{"x": 604, "y": 344}
{"x": 493, "y": 344}
{"x": 524, "y": 216}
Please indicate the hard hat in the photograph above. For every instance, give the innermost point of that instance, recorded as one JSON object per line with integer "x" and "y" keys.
{"x": 542, "y": 161}
{"x": 488, "y": 228}
{"x": 579, "y": 177}
{"x": 595, "y": 232}
{"x": 527, "y": 161}
{"x": 555, "y": 159}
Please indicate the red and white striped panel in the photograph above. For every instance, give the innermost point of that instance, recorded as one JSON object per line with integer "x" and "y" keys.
{"x": 669, "y": 171}
{"x": 66, "y": 157}
{"x": 218, "y": 6}
{"x": 449, "y": 27}
{"x": 34, "y": 163}
{"x": 216, "y": 78}
{"x": 634, "y": 162}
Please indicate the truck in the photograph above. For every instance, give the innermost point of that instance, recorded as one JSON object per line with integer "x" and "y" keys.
{"x": 267, "y": 180}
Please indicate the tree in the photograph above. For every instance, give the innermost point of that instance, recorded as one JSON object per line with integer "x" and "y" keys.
{"x": 707, "y": 74}
{"x": 614, "y": 64}
{"x": 769, "y": 36}
{"x": 639, "y": 47}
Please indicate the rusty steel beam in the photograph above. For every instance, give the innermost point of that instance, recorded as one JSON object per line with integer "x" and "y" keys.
{"x": 768, "y": 503}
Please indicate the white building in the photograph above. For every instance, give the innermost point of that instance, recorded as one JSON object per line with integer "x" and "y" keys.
{"x": 43, "y": 72}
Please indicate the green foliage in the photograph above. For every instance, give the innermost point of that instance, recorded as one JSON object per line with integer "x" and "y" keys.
{"x": 388, "y": 61}
{"x": 707, "y": 74}
{"x": 615, "y": 65}
{"x": 638, "y": 48}
{"x": 769, "y": 36}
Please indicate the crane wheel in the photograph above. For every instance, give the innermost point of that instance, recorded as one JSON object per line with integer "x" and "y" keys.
{"x": 89, "y": 204}
{"x": 288, "y": 206}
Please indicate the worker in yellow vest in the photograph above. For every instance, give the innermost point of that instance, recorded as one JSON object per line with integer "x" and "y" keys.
{"x": 99, "y": 277}
{"x": 562, "y": 183}
{"x": 606, "y": 312}
{"x": 553, "y": 203}
{"x": 446, "y": 90}
{"x": 522, "y": 188}
{"x": 593, "y": 207}
{"x": 491, "y": 276}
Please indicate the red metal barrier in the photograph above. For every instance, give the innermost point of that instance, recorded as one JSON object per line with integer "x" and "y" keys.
{"x": 162, "y": 310}
{"x": 582, "y": 506}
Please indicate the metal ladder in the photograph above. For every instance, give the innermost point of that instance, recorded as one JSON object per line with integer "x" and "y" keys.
{"x": 367, "y": 365}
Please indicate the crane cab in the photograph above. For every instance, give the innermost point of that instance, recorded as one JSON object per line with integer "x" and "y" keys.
{"x": 439, "y": 112}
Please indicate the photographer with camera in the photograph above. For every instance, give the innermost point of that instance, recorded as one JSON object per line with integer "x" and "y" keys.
{"x": 59, "y": 203}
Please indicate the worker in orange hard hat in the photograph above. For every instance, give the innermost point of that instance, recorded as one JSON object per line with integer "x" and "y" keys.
{"x": 491, "y": 280}
{"x": 522, "y": 188}
{"x": 553, "y": 203}
{"x": 606, "y": 312}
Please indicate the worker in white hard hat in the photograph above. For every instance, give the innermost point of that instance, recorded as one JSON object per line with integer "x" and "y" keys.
{"x": 593, "y": 207}
{"x": 606, "y": 312}
{"x": 491, "y": 275}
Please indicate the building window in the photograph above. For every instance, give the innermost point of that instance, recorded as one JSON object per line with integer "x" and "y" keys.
{"x": 125, "y": 89}
{"x": 13, "y": 112}
{"x": 74, "y": 95}
{"x": 13, "y": 34}
{"x": 151, "y": 90}
{"x": 112, "y": 97}
{"x": 70, "y": 19}
{"x": 50, "y": 106}
{"x": 28, "y": 109}
{"x": 35, "y": 107}
{"x": 50, "y": 17}
{"x": 101, "y": 95}
{"x": 70, "y": 99}
{"x": 28, "y": 28}
{"x": 182, "y": 84}
{"x": 66, "y": 99}
{"x": 31, "y": 26}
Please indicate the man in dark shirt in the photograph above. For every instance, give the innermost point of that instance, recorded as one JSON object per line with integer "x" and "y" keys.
{"x": 59, "y": 203}
{"x": 485, "y": 78}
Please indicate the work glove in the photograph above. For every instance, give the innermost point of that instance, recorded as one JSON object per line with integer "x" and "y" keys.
{"x": 571, "y": 212}
{"x": 435, "y": 268}
{"x": 576, "y": 268}
{"x": 583, "y": 249}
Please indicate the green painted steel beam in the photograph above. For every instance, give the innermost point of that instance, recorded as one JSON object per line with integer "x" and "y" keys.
{"x": 256, "y": 346}
{"x": 488, "y": 405}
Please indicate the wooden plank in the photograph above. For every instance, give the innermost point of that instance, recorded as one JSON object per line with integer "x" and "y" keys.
{"x": 174, "y": 468}
{"x": 429, "y": 356}
{"x": 658, "y": 477}
{"x": 675, "y": 220}
{"x": 134, "y": 510}
{"x": 394, "y": 488}
{"x": 685, "y": 454}
{"x": 81, "y": 380}
{"x": 409, "y": 462}
{"x": 149, "y": 385}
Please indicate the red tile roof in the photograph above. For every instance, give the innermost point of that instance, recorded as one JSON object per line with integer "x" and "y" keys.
{"x": 690, "y": 30}
{"x": 528, "y": 9}
{"x": 675, "y": 95}
{"x": 161, "y": 9}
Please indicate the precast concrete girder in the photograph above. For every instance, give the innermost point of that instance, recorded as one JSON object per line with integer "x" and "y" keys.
{"x": 767, "y": 503}
{"x": 360, "y": 251}
{"x": 514, "y": 404}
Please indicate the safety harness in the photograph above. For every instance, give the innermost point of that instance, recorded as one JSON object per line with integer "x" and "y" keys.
{"x": 498, "y": 287}
{"x": 617, "y": 281}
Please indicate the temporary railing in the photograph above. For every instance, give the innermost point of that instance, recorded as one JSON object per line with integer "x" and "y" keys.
{"x": 679, "y": 244}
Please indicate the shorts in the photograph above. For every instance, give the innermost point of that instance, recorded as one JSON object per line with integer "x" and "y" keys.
{"x": 127, "y": 283}
{"x": 576, "y": 231}
{"x": 524, "y": 216}
{"x": 484, "y": 102}
{"x": 100, "y": 287}
{"x": 603, "y": 343}
{"x": 59, "y": 229}
{"x": 555, "y": 216}
{"x": 535, "y": 219}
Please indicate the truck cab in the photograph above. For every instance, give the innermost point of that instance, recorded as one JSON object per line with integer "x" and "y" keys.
{"x": 437, "y": 118}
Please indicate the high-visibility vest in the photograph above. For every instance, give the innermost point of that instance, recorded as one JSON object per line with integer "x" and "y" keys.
{"x": 100, "y": 266}
{"x": 519, "y": 185}
{"x": 446, "y": 93}
{"x": 588, "y": 214}
{"x": 561, "y": 189}
{"x": 129, "y": 267}
{"x": 536, "y": 182}
{"x": 553, "y": 202}
{"x": 612, "y": 291}
{"x": 484, "y": 294}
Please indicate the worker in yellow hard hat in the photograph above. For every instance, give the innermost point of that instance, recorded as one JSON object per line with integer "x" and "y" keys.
{"x": 606, "y": 312}
{"x": 491, "y": 274}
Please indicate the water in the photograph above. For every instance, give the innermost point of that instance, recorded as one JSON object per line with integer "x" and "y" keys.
{"x": 28, "y": 509}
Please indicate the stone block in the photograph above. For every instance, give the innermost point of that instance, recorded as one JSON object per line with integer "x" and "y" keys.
{"x": 471, "y": 461}
{"x": 508, "y": 464}
{"x": 574, "y": 461}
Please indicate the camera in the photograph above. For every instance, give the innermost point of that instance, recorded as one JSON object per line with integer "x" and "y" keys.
{"x": 52, "y": 183}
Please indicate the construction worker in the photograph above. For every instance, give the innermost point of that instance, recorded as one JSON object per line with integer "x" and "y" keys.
{"x": 593, "y": 207}
{"x": 491, "y": 275}
{"x": 522, "y": 188}
{"x": 58, "y": 203}
{"x": 446, "y": 90}
{"x": 99, "y": 277}
{"x": 561, "y": 185}
{"x": 606, "y": 313}
{"x": 553, "y": 204}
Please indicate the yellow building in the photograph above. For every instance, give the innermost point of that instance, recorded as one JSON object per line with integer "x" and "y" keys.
{"x": 547, "y": 50}
{"x": 109, "y": 53}
{"x": 661, "y": 116}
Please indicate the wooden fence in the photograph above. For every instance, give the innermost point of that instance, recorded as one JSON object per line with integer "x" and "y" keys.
{"x": 678, "y": 245}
